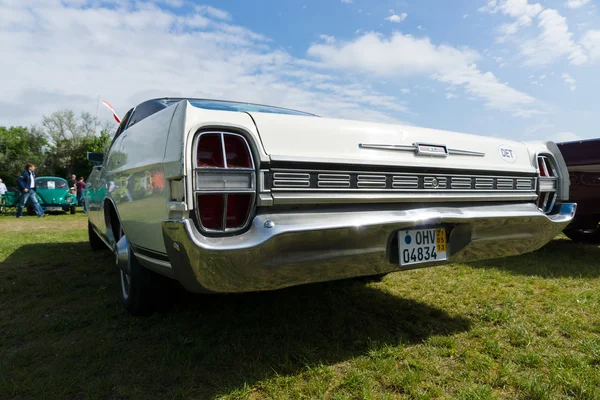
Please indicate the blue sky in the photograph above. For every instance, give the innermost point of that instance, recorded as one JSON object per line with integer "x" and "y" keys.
{"x": 519, "y": 69}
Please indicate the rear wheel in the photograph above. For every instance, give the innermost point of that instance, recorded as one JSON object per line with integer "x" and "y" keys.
{"x": 584, "y": 229}
{"x": 584, "y": 235}
{"x": 139, "y": 285}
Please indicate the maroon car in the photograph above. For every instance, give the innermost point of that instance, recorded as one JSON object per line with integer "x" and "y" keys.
{"x": 583, "y": 161}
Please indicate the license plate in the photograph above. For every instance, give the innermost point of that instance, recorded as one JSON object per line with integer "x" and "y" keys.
{"x": 54, "y": 209}
{"x": 422, "y": 245}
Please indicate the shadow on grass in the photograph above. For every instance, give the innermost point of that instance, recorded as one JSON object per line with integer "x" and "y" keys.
{"x": 558, "y": 259}
{"x": 202, "y": 346}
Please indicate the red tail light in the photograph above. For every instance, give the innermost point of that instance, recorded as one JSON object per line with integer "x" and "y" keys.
{"x": 542, "y": 167}
{"x": 545, "y": 166}
{"x": 238, "y": 208}
{"x": 210, "y": 210}
{"x": 237, "y": 152}
{"x": 224, "y": 182}
{"x": 210, "y": 151}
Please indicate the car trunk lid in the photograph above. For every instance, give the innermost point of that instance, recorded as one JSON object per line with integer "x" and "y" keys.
{"x": 326, "y": 140}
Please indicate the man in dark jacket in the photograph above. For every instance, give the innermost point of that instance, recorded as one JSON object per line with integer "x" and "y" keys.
{"x": 26, "y": 184}
{"x": 72, "y": 184}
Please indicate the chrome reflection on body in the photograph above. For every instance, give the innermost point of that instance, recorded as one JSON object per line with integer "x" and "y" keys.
{"x": 304, "y": 247}
{"x": 422, "y": 149}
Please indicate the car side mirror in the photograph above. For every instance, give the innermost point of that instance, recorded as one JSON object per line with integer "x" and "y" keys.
{"x": 95, "y": 157}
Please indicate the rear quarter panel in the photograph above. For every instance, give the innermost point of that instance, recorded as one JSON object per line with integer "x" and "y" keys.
{"x": 139, "y": 192}
{"x": 187, "y": 121}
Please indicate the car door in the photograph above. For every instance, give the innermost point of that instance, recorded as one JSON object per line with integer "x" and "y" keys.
{"x": 102, "y": 181}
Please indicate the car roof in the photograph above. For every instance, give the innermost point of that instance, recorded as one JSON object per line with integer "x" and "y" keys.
{"x": 51, "y": 177}
{"x": 167, "y": 101}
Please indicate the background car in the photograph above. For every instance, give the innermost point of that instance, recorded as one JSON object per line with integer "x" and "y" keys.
{"x": 53, "y": 195}
{"x": 583, "y": 161}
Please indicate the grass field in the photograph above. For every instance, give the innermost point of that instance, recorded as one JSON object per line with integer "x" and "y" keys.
{"x": 518, "y": 328}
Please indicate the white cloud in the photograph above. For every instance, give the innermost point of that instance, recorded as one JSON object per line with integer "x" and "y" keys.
{"x": 405, "y": 91}
{"x": 327, "y": 39}
{"x": 565, "y": 137}
{"x": 401, "y": 54}
{"x": 554, "y": 42}
{"x": 396, "y": 18}
{"x": 172, "y": 3}
{"x": 591, "y": 42}
{"x": 132, "y": 50}
{"x": 450, "y": 96}
{"x": 576, "y": 3}
{"x": 214, "y": 12}
{"x": 347, "y": 1}
{"x": 465, "y": 16}
{"x": 420, "y": 27}
{"x": 570, "y": 81}
{"x": 520, "y": 10}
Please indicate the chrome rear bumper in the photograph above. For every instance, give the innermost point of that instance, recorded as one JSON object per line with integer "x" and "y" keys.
{"x": 305, "y": 247}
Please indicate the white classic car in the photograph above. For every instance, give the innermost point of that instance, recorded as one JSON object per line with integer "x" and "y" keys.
{"x": 236, "y": 197}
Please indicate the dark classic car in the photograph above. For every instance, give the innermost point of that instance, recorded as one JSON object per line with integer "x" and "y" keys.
{"x": 583, "y": 161}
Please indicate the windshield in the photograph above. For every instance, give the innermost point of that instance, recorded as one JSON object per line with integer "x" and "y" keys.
{"x": 221, "y": 105}
{"x": 50, "y": 184}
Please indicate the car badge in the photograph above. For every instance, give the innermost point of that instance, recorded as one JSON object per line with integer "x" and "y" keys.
{"x": 422, "y": 149}
{"x": 507, "y": 154}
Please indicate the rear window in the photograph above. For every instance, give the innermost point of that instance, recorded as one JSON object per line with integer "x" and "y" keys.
{"x": 50, "y": 184}
{"x": 220, "y": 105}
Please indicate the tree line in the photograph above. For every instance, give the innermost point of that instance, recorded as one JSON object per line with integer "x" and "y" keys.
{"x": 58, "y": 146}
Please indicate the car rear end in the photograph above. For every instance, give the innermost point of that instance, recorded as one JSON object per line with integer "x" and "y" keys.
{"x": 272, "y": 201}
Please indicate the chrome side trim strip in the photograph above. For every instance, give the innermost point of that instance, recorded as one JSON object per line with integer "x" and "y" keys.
{"x": 333, "y": 184}
{"x": 333, "y": 177}
{"x": 372, "y": 178}
{"x": 366, "y": 184}
{"x": 163, "y": 264}
{"x": 291, "y": 176}
{"x": 398, "y": 147}
{"x": 466, "y": 153}
{"x": 290, "y": 183}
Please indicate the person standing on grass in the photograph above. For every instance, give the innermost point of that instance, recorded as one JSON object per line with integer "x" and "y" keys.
{"x": 72, "y": 184}
{"x": 2, "y": 193}
{"x": 26, "y": 184}
{"x": 80, "y": 189}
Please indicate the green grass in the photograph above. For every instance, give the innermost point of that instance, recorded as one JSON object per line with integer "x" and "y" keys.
{"x": 518, "y": 328}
